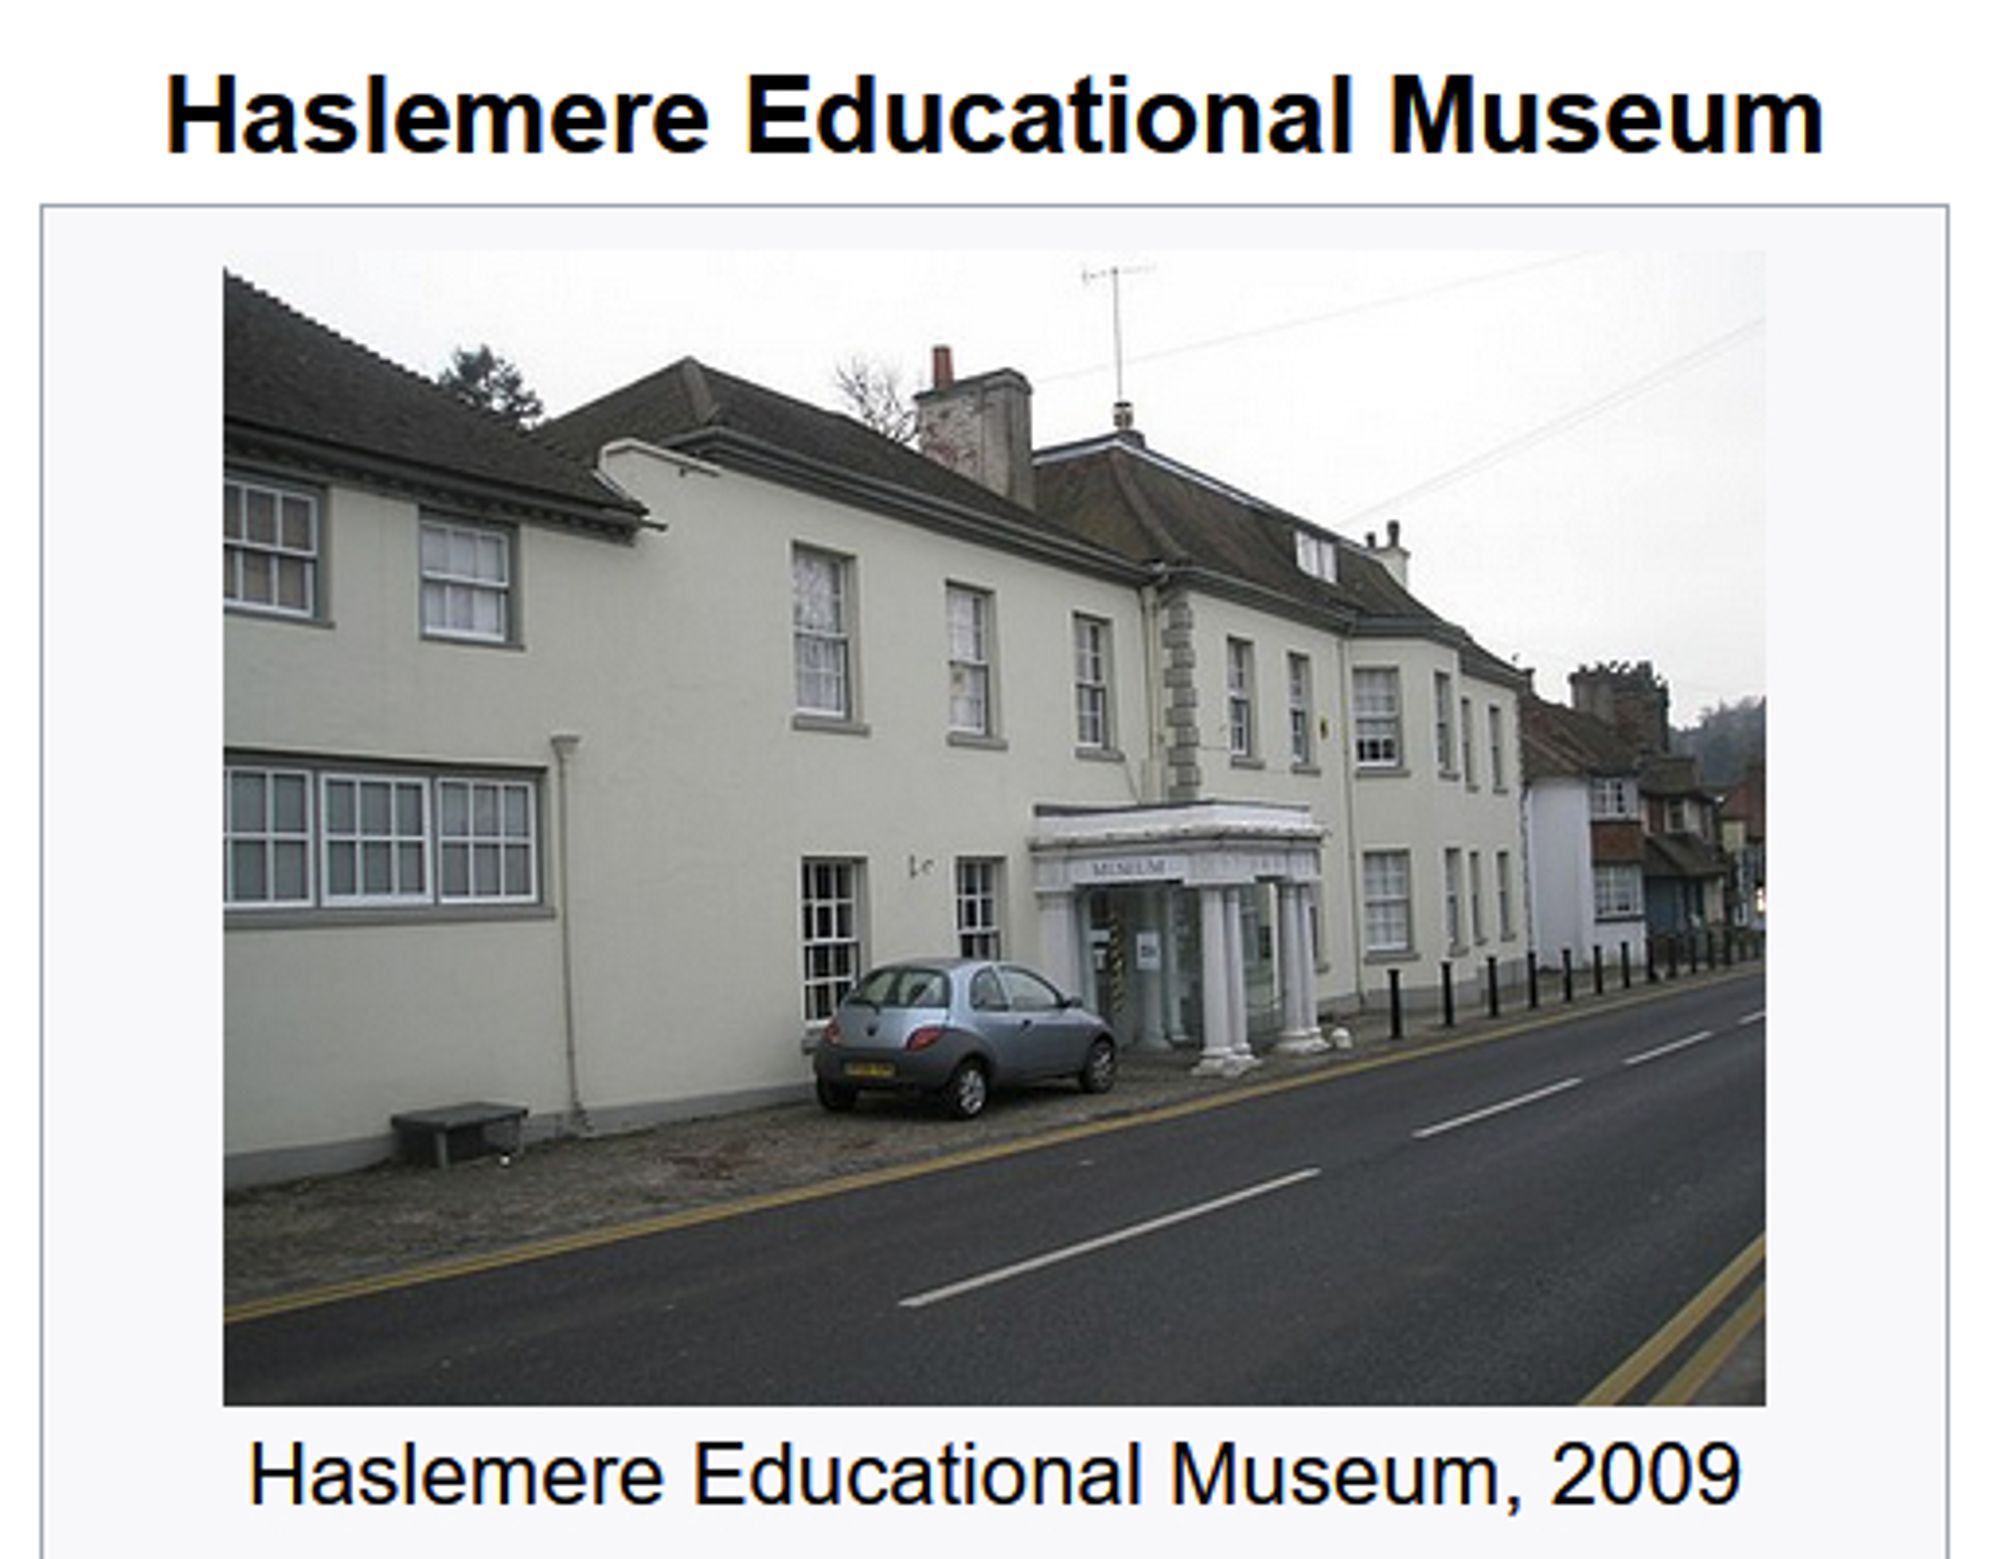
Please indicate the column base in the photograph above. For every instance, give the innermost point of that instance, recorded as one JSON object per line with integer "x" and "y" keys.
{"x": 1227, "y": 1063}
{"x": 1306, "y": 1042}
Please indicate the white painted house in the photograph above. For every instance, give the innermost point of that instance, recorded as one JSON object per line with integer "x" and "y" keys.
{"x": 583, "y": 769}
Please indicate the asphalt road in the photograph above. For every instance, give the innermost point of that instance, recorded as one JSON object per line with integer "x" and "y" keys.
{"x": 1505, "y": 1223}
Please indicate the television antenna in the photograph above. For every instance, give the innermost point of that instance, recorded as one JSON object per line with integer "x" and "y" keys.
{"x": 1116, "y": 274}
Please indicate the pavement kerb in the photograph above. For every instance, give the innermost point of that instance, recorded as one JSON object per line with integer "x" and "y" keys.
{"x": 1371, "y": 1052}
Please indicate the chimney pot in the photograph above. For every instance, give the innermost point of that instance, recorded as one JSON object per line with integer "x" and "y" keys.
{"x": 941, "y": 375}
{"x": 1395, "y": 533}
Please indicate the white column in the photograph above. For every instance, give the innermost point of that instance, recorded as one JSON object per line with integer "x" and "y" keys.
{"x": 1301, "y": 1036}
{"x": 1151, "y": 1033}
{"x": 1239, "y": 997}
{"x": 1170, "y": 929}
{"x": 1218, "y": 1056}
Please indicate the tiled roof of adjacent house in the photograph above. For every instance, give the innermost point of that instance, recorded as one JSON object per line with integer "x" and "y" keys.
{"x": 295, "y": 391}
{"x": 1671, "y": 774}
{"x": 1117, "y": 493}
{"x": 692, "y": 408}
{"x": 1557, "y": 740}
{"x": 1682, "y": 855}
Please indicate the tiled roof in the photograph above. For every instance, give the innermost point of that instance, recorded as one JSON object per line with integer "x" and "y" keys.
{"x": 693, "y": 408}
{"x": 1119, "y": 494}
{"x": 1681, "y": 855}
{"x": 293, "y": 389}
{"x": 1557, "y": 740}
{"x": 1675, "y": 774}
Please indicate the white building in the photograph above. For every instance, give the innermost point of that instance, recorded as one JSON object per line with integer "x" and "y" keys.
{"x": 584, "y": 769}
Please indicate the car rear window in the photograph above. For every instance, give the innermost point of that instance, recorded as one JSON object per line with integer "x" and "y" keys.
{"x": 903, "y": 987}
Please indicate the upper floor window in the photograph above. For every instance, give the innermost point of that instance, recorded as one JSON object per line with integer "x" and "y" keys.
{"x": 823, "y": 683}
{"x": 1613, "y": 798}
{"x": 467, "y": 582}
{"x": 1092, "y": 643}
{"x": 1317, "y": 555}
{"x": 270, "y": 548}
{"x": 1298, "y": 707}
{"x": 1495, "y": 740}
{"x": 969, "y": 627}
{"x": 1241, "y": 675}
{"x": 1465, "y": 739}
{"x": 1441, "y": 689}
{"x": 1378, "y": 718}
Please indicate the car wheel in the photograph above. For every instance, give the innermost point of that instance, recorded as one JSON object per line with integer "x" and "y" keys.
{"x": 965, "y": 1094}
{"x": 1100, "y": 1066}
{"x": 838, "y": 1097}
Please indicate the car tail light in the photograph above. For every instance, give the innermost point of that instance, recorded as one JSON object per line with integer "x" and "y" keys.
{"x": 830, "y": 1035}
{"x": 923, "y": 1038}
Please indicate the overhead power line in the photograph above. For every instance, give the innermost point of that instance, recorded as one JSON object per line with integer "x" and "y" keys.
{"x": 1556, "y": 426}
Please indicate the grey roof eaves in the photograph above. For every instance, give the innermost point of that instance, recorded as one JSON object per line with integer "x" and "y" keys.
{"x": 620, "y": 516}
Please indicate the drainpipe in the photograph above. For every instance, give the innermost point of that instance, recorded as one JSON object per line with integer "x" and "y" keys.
{"x": 1152, "y": 780}
{"x": 565, "y": 745}
{"x": 1356, "y": 907}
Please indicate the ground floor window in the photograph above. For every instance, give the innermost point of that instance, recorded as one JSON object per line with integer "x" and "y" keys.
{"x": 830, "y": 932}
{"x": 1385, "y": 893}
{"x": 1502, "y": 873}
{"x": 304, "y": 837}
{"x": 978, "y": 908}
{"x": 1621, "y": 892}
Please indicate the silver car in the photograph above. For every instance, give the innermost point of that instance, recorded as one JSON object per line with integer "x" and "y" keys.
{"x": 958, "y": 1028}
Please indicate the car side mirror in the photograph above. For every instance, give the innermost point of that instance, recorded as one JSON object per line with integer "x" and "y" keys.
{"x": 1072, "y": 1001}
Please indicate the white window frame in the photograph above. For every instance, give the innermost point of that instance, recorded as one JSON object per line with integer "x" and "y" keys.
{"x": 398, "y": 842}
{"x": 831, "y": 941}
{"x": 281, "y": 553}
{"x": 1495, "y": 734}
{"x": 499, "y": 841}
{"x": 977, "y": 885}
{"x": 1317, "y": 556}
{"x": 1619, "y": 891}
{"x": 1465, "y": 742}
{"x": 1503, "y": 892}
{"x": 1090, "y": 641}
{"x": 1613, "y": 797}
{"x": 452, "y": 565}
{"x": 1385, "y": 901}
{"x": 822, "y": 640}
{"x": 968, "y": 616}
{"x": 1474, "y": 896}
{"x": 1298, "y": 707}
{"x": 1240, "y": 676}
{"x": 1441, "y": 695}
{"x": 1378, "y": 717}
{"x": 416, "y": 847}
{"x": 1452, "y": 889}
{"x": 263, "y": 837}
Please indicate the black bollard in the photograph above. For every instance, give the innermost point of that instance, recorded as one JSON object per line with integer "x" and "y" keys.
{"x": 1596, "y": 970}
{"x": 1395, "y": 1004}
{"x": 1569, "y": 979}
{"x": 1492, "y": 986}
{"x": 1534, "y": 980}
{"x": 1444, "y": 972}
{"x": 1625, "y": 965}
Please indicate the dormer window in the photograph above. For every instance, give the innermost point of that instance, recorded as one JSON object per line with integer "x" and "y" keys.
{"x": 1317, "y": 556}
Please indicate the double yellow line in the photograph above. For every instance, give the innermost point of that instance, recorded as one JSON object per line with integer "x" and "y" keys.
{"x": 1637, "y": 1379}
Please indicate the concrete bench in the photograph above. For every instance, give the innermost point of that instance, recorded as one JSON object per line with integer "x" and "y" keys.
{"x": 434, "y": 1129}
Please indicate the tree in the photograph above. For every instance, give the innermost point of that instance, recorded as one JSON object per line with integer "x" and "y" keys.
{"x": 872, "y": 393}
{"x": 482, "y": 378}
{"x": 1725, "y": 741}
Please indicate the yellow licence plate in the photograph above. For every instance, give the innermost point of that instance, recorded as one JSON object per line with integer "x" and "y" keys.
{"x": 870, "y": 1069}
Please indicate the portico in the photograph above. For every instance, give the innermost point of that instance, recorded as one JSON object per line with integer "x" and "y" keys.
{"x": 1186, "y": 919}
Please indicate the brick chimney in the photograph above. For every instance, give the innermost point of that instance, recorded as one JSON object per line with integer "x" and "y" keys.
{"x": 980, "y": 427}
{"x": 1629, "y": 698}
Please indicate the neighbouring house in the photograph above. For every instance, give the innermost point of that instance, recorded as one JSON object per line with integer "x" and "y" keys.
{"x": 1585, "y": 836}
{"x": 1686, "y": 873}
{"x": 1743, "y": 844}
{"x": 584, "y": 768}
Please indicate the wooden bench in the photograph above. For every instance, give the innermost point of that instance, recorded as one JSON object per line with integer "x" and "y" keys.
{"x": 435, "y": 1128}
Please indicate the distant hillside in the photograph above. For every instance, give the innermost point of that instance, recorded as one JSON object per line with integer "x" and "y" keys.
{"x": 1725, "y": 740}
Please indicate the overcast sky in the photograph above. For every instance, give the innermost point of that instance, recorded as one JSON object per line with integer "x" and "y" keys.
{"x": 1573, "y": 441}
